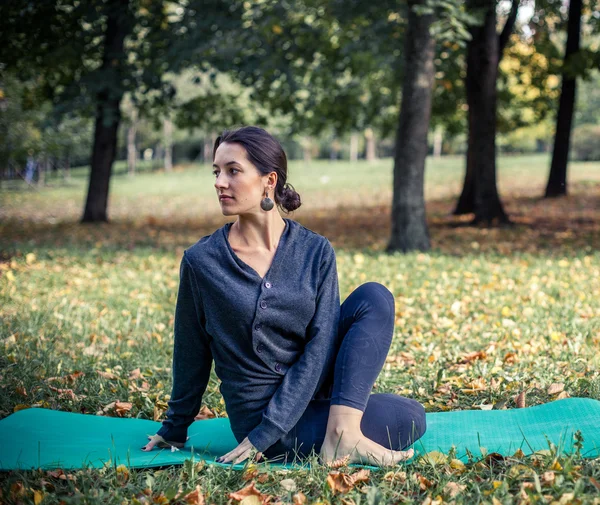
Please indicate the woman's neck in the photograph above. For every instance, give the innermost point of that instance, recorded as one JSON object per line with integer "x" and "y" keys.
{"x": 258, "y": 232}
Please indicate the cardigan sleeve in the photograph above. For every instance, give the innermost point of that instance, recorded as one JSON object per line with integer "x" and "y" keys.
{"x": 192, "y": 358}
{"x": 307, "y": 374}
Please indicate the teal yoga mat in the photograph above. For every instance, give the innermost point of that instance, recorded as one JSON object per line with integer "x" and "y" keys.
{"x": 42, "y": 438}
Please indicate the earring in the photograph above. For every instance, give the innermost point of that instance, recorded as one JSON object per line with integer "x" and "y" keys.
{"x": 266, "y": 203}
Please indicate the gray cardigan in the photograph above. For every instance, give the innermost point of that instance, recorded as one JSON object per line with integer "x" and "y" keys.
{"x": 273, "y": 339}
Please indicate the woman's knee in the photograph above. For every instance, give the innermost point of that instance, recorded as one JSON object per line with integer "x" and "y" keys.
{"x": 419, "y": 419}
{"x": 377, "y": 295}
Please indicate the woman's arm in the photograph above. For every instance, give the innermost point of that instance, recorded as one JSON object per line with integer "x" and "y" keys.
{"x": 306, "y": 375}
{"x": 192, "y": 358}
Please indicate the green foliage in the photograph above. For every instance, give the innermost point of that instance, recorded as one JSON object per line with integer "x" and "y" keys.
{"x": 585, "y": 142}
{"x": 27, "y": 125}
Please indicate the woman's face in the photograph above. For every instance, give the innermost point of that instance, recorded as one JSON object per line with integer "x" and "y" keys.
{"x": 238, "y": 178}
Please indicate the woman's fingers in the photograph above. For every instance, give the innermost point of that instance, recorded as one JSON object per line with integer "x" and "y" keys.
{"x": 236, "y": 456}
{"x": 161, "y": 443}
{"x": 154, "y": 439}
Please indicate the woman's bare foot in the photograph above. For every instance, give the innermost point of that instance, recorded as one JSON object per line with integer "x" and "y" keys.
{"x": 351, "y": 446}
{"x": 345, "y": 442}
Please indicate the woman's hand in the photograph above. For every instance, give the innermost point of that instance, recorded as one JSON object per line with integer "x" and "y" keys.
{"x": 158, "y": 441}
{"x": 242, "y": 452}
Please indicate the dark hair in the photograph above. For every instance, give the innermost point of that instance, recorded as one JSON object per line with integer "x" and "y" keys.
{"x": 266, "y": 153}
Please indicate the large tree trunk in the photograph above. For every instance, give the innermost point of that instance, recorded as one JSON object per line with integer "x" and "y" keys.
{"x": 409, "y": 226}
{"x": 108, "y": 113}
{"x": 557, "y": 181}
{"x": 484, "y": 51}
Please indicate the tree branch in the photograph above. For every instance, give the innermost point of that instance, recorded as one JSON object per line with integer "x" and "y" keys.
{"x": 508, "y": 28}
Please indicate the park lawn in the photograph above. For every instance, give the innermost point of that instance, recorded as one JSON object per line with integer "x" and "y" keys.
{"x": 485, "y": 315}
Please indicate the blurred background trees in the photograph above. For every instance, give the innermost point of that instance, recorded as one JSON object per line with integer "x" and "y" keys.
{"x": 154, "y": 83}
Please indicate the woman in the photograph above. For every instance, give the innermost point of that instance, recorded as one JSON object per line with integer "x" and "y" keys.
{"x": 260, "y": 297}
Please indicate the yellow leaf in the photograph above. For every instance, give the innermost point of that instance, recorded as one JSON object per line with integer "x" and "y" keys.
{"x": 434, "y": 458}
{"x": 251, "y": 500}
{"x": 457, "y": 464}
{"x": 10, "y": 276}
{"x": 38, "y": 496}
{"x": 29, "y": 258}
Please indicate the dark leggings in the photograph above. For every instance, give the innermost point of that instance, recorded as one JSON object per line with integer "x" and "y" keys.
{"x": 366, "y": 328}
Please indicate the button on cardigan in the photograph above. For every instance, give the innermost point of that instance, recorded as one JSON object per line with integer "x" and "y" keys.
{"x": 273, "y": 340}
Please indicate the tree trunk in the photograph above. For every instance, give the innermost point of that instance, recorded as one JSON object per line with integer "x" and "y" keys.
{"x": 557, "y": 180}
{"x": 168, "y": 141}
{"x": 371, "y": 154}
{"x": 438, "y": 138}
{"x": 131, "y": 148}
{"x": 306, "y": 143}
{"x": 207, "y": 151}
{"x": 480, "y": 192}
{"x": 108, "y": 114}
{"x": 42, "y": 172}
{"x": 67, "y": 167}
{"x": 409, "y": 226}
{"x": 353, "y": 147}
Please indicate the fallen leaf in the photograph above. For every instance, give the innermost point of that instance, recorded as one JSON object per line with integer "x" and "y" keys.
{"x": 398, "y": 476}
{"x": 452, "y": 489}
{"x": 472, "y": 356}
{"x": 595, "y": 483}
{"x": 555, "y": 388}
{"x": 38, "y": 496}
{"x": 288, "y": 484}
{"x": 194, "y": 497}
{"x": 107, "y": 375}
{"x": 67, "y": 393}
{"x": 67, "y": 378}
{"x": 342, "y": 482}
{"x": 248, "y": 492}
{"x": 457, "y": 464}
{"x": 548, "y": 478}
{"x": 519, "y": 454}
{"x": 135, "y": 374}
{"x": 299, "y": 498}
{"x": 60, "y": 474}
{"x": 204, "y": 413}
{"x": 424, "y": 482}
{"x": 493, "y": 458}
{"x": 343, "y": 461}
{"x": 520, "y": 400}
{"x": 434, "y": 458}
{"x": 117, "y": 408}
{"x": 122, "y": 473}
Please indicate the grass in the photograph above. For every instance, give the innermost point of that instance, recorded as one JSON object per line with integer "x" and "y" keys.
{"x": 482, "y": 317}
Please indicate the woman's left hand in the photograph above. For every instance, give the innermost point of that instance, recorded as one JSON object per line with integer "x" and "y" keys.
{"x": 241, "y": 453}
